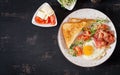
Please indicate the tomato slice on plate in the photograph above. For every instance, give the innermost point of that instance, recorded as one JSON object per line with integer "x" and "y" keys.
{"x": 78, "y": 50}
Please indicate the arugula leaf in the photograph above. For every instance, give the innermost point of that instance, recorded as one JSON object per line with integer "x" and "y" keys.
{"x": 76, "y": 43}
{"x": 72, "y": 52}
{"x": 71, "y": 47}
{"x": 101, "y": 21}
{"x": 93, "y": 31}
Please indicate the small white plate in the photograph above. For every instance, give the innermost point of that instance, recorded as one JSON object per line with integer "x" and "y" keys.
{"x": 43, "y": 25}
{"x": 90, "y": 14}
{"x": 68, "y": 7}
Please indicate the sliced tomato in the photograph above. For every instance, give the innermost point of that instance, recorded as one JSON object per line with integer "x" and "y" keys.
{"x": 78, "y": 50}
{"x": 39, "y": 20}
{"x": 80, "y": 37}
{"x": 83, "y": 37}
{"x": 86, "y": 37}
{"x": 52, "y": 19}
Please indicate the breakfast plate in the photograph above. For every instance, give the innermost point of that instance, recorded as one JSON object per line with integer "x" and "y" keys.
{"x": 89, "y": 14}
{"x": 44, "y": 16}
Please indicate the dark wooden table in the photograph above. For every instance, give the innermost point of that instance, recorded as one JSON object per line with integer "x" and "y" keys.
{"x": 26, "y": 49}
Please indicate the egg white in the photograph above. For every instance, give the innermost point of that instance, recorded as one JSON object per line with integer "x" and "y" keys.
{"x": 97, "y": 52}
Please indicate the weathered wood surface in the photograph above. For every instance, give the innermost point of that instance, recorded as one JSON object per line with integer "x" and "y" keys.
{"x": 26, "y": 49}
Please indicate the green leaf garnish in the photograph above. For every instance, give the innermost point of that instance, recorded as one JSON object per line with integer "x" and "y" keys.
{"x": 72, "y": 52}
{"x": 101, "y": 21}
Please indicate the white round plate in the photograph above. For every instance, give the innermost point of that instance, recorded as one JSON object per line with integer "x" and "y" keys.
{"x": 43, "y": 25}
{"x": 89, "y": 14}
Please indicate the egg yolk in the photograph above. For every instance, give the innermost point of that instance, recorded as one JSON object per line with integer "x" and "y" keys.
{"x": 87, "y": 50}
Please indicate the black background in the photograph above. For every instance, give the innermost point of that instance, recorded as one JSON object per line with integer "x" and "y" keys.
{"x": 26, "y": 49}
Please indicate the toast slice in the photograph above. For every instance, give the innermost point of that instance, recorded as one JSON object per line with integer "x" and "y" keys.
{"x": 71, "y": 30}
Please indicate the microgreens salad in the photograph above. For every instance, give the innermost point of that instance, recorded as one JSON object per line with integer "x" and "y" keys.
{"x": 68, "y": 4}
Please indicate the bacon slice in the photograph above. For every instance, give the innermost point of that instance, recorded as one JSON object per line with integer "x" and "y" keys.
{"x": 103, "y": 38}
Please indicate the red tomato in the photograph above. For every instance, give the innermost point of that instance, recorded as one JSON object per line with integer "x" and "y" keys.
{"x": 79, "y": 37}
{"x": 86, "y": 37}
{"x": 83, "y": 37}
{"x": 39, "y": 20}
{"x": 78, "y": 50}
{"x": 52, "y": 19}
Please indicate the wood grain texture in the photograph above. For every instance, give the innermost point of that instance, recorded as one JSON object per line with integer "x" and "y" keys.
{"x": 26, "y": 49}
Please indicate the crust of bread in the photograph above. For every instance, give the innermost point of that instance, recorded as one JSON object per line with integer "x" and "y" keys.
{"x": 80, "y": 20}
{"x": 72, "y": 28}
{"x": 74, "y": 20}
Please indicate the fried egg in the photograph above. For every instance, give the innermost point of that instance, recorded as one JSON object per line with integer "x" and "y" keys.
{"x": 90, "y": 52}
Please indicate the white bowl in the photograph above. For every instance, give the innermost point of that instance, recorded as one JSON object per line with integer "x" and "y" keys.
{"x": 68, "y": 7}
{"x": 43, "y": 25}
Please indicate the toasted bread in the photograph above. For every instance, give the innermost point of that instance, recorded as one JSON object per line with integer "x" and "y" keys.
{"x": 71, "y": 30}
